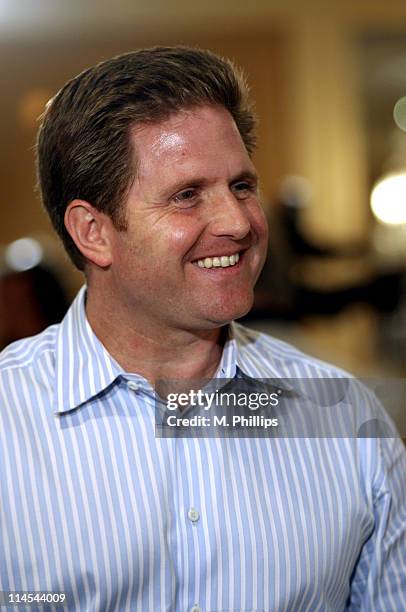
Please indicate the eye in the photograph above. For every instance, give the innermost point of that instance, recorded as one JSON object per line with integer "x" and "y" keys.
{"x": 186, "y": 198}
{"x": 243, "y": 189}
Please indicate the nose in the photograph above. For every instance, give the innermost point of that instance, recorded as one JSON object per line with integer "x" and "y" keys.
{"x": 229, "y": 217}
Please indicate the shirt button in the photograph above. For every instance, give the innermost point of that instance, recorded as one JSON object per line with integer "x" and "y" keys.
{"x": 132, "y": 385}
{"x": 196, "y": 608}
{"x": 194, "y": 516}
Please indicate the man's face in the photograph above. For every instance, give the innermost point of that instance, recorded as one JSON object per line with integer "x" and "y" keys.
{"x": 194, "y": 199}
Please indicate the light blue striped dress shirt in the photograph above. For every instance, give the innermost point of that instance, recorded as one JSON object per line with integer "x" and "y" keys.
{"x": 93, "y": 504}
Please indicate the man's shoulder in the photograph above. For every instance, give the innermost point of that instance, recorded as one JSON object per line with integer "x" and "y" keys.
{"x": 29, "y": 352}
{"x": 289, "y": 360}
{"x": 322, "y": 382}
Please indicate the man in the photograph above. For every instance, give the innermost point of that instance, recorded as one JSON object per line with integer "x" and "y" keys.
{"x": 145, "y": 170}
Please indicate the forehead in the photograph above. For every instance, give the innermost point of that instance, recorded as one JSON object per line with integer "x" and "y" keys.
{"x": 206, "y": 135}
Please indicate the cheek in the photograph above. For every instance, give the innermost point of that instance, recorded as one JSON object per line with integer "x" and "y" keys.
{"x": 162, "y": 244}
{"x": 259, "y": 223}
{"x": 180, "y": 235}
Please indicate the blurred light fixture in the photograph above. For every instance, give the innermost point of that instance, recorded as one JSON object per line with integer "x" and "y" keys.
{"x": 23, "y": 254}
{"x": 399, "y": 113}
{"x": 388, "y": 199}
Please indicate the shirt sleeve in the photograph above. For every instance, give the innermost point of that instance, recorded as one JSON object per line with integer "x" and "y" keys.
{"x": 379, "y": 578}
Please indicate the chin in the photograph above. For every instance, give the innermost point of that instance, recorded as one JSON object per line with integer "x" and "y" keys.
{"x": 227, "y": 313}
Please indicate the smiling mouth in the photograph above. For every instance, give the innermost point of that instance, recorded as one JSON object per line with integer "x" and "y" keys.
{"x": 220, "y": 261}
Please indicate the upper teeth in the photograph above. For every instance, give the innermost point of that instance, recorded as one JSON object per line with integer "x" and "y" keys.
{"x": 219, "y": 262}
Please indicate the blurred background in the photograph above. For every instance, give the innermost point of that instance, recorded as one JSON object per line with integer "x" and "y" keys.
{"x": 328, "y": 83}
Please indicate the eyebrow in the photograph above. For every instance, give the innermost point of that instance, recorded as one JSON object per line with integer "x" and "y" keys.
{"x": 246, "y": 174}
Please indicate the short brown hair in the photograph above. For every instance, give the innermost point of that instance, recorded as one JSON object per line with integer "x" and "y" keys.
{"x": 83, "y": 147}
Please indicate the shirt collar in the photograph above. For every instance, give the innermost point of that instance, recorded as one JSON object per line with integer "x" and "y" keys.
{"x": 85, "y": 369}
{"x": 254, "y": 362}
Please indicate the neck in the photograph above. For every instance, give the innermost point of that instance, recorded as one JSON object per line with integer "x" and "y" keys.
{"x": 156, "y": 353}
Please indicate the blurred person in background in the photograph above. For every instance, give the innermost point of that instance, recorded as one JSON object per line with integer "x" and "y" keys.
{"x": 30, "y": 301}
{"x": 145, "y": 169}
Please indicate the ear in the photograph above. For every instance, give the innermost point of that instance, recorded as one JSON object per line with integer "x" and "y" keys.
{"x": 89, "y": 230}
